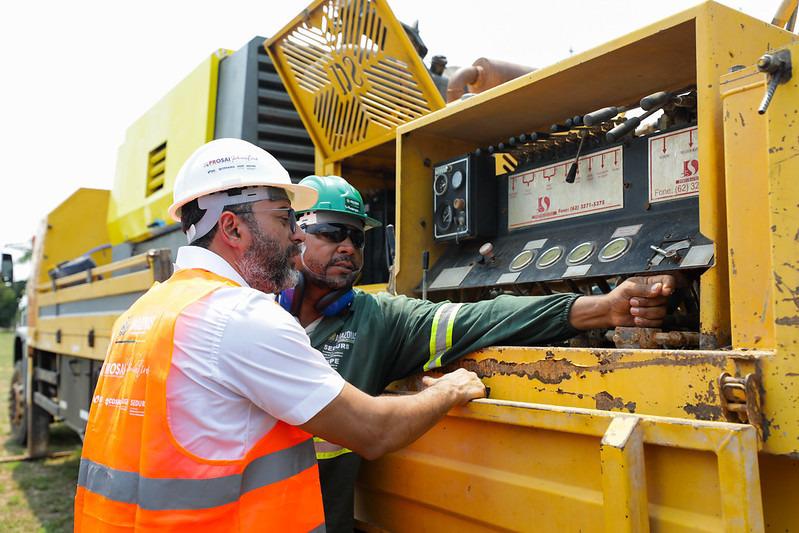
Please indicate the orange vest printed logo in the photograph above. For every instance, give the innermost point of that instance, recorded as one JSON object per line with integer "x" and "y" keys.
{"x": 134, "y": 475}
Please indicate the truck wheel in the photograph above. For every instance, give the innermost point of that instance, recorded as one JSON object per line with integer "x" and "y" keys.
{"x": 17, "y": 414}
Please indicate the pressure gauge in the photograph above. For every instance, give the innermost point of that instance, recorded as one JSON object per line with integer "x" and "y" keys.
{"x": 457, "y": 179}
{"x": 550, "y": 257}
{"x": 580, "y": 253}
{"x": 440, "y": 184}
{"x": 444, "y": 216}
{"x": 614, "y": 249}
{"x": 523, "y": 259}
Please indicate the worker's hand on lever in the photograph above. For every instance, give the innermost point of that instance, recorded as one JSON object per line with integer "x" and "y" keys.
{"x": 641, "y": 301}
{"x": 464, "y": 384}
{"x": 637, "y": 301}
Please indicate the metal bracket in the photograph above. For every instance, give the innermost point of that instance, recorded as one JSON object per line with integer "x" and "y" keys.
{"x": 777, "y": 65}
{"x": 740, "y": 400}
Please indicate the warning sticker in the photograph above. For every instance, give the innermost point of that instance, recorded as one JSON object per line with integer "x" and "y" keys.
{"x": 541, "y": 194}
{"x": 674, "y": 165}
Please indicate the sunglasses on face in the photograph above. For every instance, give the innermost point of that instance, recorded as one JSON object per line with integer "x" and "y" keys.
{"x": 337, "y": 233}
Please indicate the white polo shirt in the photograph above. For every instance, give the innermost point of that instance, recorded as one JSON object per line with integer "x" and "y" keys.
{"x": 240, "y": 363}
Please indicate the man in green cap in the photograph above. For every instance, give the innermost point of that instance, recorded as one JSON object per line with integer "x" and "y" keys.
{"x": 372, "y": 340}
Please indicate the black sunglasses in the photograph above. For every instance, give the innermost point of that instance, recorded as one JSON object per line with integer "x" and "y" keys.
{"x": 337, "y": 233}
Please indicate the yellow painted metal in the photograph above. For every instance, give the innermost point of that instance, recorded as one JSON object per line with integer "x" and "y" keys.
{"x": 723, "y": 38}
{"x": 68, "y": 233}
{"x": 486, "y": 473}
{"x": 74, "y": 330}
{"x": 182, "y": 120}
{"x": 75, "y": 335}
{"x": 746, "y": 169}
{"x": 624, "y": 477}
{"x": 692, "y": 47}
{"x": 502, "y": 465}
{"x": 352, "y": 74}
{"x": 124, "y": 284}
{"x": 137, "y": 261}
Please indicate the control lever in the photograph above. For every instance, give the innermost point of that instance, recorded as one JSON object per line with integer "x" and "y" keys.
{"x": 777, "y": 66}
{"x": 571, "y": 175}
{"x": 486, "y": 252}
{"x": 661, "y": 251}
{"x": 425, "y": 267}
{"x": 650, "y": 104}
{"x": 599, "y": 116}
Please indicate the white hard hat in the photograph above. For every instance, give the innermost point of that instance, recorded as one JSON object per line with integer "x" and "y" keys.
{"x": 225, "y": 164}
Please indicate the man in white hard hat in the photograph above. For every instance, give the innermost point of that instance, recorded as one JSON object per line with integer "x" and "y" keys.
{"x": 210, "y": 392}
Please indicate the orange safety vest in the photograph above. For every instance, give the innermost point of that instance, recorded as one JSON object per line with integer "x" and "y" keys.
{"x": 134, "y": 475}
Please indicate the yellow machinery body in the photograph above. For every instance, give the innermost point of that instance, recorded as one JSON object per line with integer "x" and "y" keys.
{"x": 586, "y": 439}
{"x": 155, "y": 147}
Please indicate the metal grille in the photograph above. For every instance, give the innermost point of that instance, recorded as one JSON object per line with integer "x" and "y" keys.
{"x": 280, "y": 130}
{"x": 156, "y": 166}
{"x": 353, "y": 74}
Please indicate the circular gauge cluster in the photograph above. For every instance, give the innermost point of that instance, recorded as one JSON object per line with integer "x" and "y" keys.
{"x": 549, "y": 257}
{"x": 580, "y": 253}
{"x": 444, "y": 217}
{"x": 521, "y": 260}
{"x": 614, "y": 249}
{"x": 445, "y": 180}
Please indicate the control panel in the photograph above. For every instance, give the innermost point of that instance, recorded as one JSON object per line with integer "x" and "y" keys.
{"x": 464, "y": 204}
{"x": 595, "y": 198}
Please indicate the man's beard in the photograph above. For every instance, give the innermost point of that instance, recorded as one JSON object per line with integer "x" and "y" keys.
{"x": 266, "y": 266}
{"x": 317, "y": 273}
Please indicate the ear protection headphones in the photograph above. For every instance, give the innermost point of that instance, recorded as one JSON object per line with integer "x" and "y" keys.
{"x": 329, "y": 305}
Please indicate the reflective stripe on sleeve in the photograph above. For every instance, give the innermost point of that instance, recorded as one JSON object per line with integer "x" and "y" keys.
{"x": 172, "y": 494}
{"x": 441, "y": 334}
{"x": 328, "y": 450}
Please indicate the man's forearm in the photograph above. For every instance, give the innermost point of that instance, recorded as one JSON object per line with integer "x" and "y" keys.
{"x": 405, "y": 418}
{"x": 588, "y": 312}
{"x": 374, "y": 426}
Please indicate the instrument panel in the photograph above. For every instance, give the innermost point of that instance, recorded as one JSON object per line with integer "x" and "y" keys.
{"x": 631, "y": 208}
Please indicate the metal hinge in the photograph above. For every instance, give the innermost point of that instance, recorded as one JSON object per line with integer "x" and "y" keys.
{"x": 740, "y": 400}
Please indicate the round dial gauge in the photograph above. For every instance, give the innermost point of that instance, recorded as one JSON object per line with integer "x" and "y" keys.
{"x": 440, "y": 184}
{"x": 521, "y": 260}
{"x": 457, "y": 179}
{"x": 444, "y": 217}
{"x": 614, "y": 249}
{"x": 580, "y": 253}
{"x": 550, "y": 257}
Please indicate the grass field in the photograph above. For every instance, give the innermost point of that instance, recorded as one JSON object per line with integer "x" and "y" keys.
{"x": 34, "y": 495}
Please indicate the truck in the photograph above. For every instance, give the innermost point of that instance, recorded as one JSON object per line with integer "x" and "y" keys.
{"x": 667, "y": 150}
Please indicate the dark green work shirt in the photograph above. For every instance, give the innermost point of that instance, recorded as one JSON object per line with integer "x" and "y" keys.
{"x": 382, "y": 338}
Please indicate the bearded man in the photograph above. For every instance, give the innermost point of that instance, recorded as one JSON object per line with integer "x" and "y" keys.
{"x": 208, "y": 424}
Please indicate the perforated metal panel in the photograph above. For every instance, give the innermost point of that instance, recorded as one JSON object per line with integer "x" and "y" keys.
{"x": 352, "y": 73}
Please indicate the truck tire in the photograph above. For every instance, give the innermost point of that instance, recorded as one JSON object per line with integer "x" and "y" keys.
{"x": 17, "y": 413}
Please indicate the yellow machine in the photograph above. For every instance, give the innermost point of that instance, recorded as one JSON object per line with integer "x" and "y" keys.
{"x": 571, "y": 178}
{"x": 648, "y": 154}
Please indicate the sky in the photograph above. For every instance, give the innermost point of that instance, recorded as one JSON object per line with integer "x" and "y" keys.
{"x": 76, "y": 74}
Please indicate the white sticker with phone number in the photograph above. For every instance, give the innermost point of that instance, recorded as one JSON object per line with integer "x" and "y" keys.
{"x": 674, "y": 165}
{"x": 542, "y": 194}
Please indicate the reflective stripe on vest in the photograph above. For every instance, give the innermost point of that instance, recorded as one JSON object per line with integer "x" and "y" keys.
{"x": 135, "y": 476}
{"x": 441, "y": 334}
{"x": 170, "y": 494}
{"x": 328, "y": 450}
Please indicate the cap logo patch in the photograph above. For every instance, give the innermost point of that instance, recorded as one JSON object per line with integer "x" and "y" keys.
{"x": 352, "y": 205}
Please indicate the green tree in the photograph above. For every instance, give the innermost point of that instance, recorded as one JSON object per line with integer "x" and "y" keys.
{"x": 8, "y": 306}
